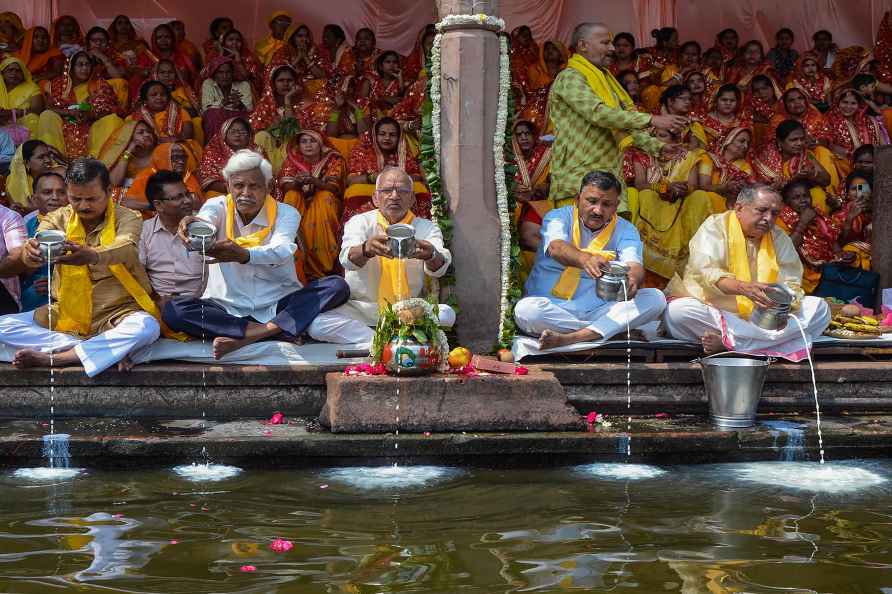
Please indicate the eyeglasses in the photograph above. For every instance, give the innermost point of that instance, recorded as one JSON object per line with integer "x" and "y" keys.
{"x": 394, "y": 190}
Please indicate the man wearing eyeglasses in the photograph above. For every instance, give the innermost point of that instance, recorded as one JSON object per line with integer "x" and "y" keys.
{"x": 376, "y": 277}
{"x": 173, "y": 270}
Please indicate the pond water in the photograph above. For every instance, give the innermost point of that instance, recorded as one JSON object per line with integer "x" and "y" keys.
{"x": 761, "y": 527}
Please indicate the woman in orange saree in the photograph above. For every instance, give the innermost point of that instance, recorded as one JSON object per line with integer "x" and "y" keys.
{"x": 553, "y": 56}
{"x": 85, "y": 128}
{"x": 163, "y": 47}
{"x": 170, "y": 156}
{"x": 383, "y": 146}
{"x": 312, "y": 181}
{"x": 850, "y": 127}
{"x": 234, "y": 135}
{"x": 672, "y": 74}
{"x": 788, "y": 158}
{"x": 811, "y": 80}
{"x": 44, "y": 60}
{"x": 304, "y": 57}
{"x": 170, "y": 122}
{"x": 110, "y": 66}
{"x": 167, "y": 74}
{"x": 524, "y": 55}
{"x": 408, "y": 113}
{"x": 127, "y": 153}
{"x": 666, "y": 49}
{"x": 855, "y": 219}
{"x": 359, "y": 60}
{"x": 125, "y": 40}
{"x": 283, "y": 109}
{"x": 66, "y": 34}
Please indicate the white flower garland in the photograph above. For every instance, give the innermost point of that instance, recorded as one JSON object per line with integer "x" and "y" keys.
{"x": 498, "y": 136}
{"x": 498, "y": 154}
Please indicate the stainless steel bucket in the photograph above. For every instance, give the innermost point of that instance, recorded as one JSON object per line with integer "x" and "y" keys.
{"x": 734, "y": 386}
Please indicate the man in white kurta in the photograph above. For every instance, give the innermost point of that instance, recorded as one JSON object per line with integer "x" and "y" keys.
{"x": 562, "y": 306}
{"x": 365, "y": 250}
{"x": 712, "y": 303}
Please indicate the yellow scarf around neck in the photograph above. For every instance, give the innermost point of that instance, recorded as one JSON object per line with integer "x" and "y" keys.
{"x": 256, "y": 238}
{"x": 739, "y": 263}
{"x": 607, "y": 88}
{"x": 567, "y": 284}
{"x": 76, "y": 288}
{"x": 393, "y": 286}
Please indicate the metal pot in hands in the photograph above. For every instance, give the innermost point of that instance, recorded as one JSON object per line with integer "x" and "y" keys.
{"x": 201, "y": 236}
{"x": 51, "y": 243}
{"x": 402, "y": 240}
{"x": 734, "y": 387}
{"x": 610, "y": 286}
{"x": 776, "y": 316}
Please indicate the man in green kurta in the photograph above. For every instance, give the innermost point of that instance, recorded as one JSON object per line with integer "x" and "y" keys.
{"x": 594, "y": 118}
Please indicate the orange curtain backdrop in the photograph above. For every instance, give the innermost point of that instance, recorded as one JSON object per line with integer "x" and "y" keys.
{"x": 396, "y": 22}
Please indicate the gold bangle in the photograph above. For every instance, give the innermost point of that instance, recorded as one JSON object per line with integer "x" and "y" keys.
{"x": 127, "y": 155}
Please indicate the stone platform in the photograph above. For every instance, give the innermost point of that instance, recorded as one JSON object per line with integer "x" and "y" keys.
{"x": 381, "y": 404}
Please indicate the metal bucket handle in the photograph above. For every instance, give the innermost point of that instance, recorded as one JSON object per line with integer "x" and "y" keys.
{"x": 768, "y": 360}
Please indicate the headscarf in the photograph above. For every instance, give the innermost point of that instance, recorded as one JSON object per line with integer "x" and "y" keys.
{"x": 817, "y": 89}
{"x": 69, "y": 49}
{"x": 181, "y": 60}
{"x": 14, "y": 98}
{"x": 860, "y": 129}
{"x": 213, "y": 65}
{"x": 130, "y": 42}
{"x": 217, "y": 153}
{"x": 728, "y": 170}
{"x": 367, "y": 156}
{"x": 183, "y": 86}
{"x": 37, "y": 62}
{"x": 14, "y": 20}
{"x": 416, "y": 60}
{"x": 297, "y": 162}
{"x": 538, "y": 73}
{"x": 161, "y": 161}
{"x": 117, "y": 143}
{"x": 524, "y": 174}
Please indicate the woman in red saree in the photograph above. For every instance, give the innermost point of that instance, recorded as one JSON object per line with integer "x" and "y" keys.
{"x": 170, "y": 156}
{"x": 110, "y": 65}
{"x": 163, "y": 47}
{"x": 753, "y": 64}
{"x": 725, "y": 115}
{"x": 283, "y": 100}
{"x": 627, "y": 58}
{"x": 219, "y": 27}
{"x": 814, "y": 235}
{"x": 726, "y": 42}
{"x": 417, "y": 58}
{"x": 246, "y": 67}
{"x": 81, "y": 131}
{"x": 855, "y": 219}
{"x": 695, "y": 82}
{"x": 524, "y": 55}
{"x": 759, "y": 103}
{"x": 788, "y": 158}
{"x": 383, "y": 146}
{"x": 359, "y": 60}
{"x": 234, "y": 135}
{"x": 312, "y": 181}
{"x": 677, "y": 100}
{"x": 794, "y": 105}
{"x": 666, "y": 49}
{"x": 170, "y": 122}
{"x": 531, "y": 183}
{"x": 850, "y": 127}
{"x": 729, "y": 169}
{"x": 304, "y": 57}
{"x": 44, "y": 60}
{"x": 811, "y": 80}
{"x": 380, "y": 93}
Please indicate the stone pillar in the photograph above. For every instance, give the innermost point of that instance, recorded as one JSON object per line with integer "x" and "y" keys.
{"x": 880, "y": 246}
{"x": 470, "y": 89}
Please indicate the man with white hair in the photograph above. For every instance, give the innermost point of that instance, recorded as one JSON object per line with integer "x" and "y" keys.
{"x": 252, "y": 291}
{"x": 737, "y": 260}
{"x": 375, "y": 276}
{"x": 595, "y": 119}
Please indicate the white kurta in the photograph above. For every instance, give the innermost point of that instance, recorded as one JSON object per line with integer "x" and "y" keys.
{"x": 253, "y": 290}
{"x": 351, "y": 323}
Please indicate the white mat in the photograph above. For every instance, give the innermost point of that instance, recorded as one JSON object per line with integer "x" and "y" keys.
{"x": 260, "y": 353}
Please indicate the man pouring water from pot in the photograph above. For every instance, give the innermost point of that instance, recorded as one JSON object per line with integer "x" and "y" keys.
{"x": 582, "y": 245}
{"x": 742, "y": 269}
{"x": 380, "y": 269}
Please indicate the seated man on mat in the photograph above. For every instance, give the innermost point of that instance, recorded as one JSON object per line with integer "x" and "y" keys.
{"x": 173, "y": 270}
{"x": 562, "y": 306}
{"x": 375, "y": 277}
{"x": 101, "y": 308}
{"x": 735, "y": 257}
{"x": 252, "y": 289}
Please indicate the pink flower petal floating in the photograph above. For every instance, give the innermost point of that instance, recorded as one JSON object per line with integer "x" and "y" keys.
{"x": 174, "y": 542}
{"x": 591, "y": 418}
{"x": 278, "y": 418}
{"x": 117, "y": 516}
{"x": 521, "y": 370}
{"x": 281, "y": 545}
{"x": 365, "y": 369}
{"x": 248, "y": 568}
{"x": 662, "y": 415}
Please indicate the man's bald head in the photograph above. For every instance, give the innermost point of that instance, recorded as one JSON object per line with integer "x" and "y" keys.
{"x": 593, "y": 42}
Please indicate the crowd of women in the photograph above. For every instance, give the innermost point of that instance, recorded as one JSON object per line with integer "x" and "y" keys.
{"x": 330, "y": 115}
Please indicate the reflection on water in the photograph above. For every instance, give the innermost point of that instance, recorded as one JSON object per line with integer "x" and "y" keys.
{"x": 690, "y": 529}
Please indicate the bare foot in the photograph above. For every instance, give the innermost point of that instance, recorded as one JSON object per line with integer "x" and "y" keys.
{"x": 125, "y": 364}
{"x": 223, "y": 346}
{"x": 26, "y": 358}
{"x": 552, "y": 340}
{"x": 712, "y": 343}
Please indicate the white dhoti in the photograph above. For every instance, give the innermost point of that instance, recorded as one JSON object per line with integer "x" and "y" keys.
{"x": 534, "y": 315}
{"x": 689, "y": 319}
{"x": 136, "y": 330}
{"x": 353, "y": 323}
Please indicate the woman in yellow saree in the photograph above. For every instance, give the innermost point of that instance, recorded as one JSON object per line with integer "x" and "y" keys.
{"x": 729, "y": 169}
{"x": 81, "y": 112}
{"x": 672, "y": 74}
{"x": 21, "y": 100}
{"x": 667, "y": 206}
{"x": 312, "y": 180}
